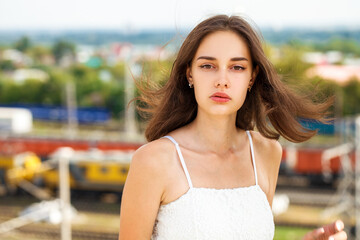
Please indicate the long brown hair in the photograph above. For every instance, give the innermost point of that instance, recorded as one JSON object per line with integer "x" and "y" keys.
{"x": 271, "y": 106}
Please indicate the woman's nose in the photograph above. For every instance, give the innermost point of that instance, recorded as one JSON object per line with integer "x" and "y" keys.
{"x": 222, "y": 79}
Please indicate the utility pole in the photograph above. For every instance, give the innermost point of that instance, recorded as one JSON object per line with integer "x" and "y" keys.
{"x": 64, "y": 186}
{"x": 71, "y": 108}
{"x": 130, "y": 122}
{"x": 357, "y": 176}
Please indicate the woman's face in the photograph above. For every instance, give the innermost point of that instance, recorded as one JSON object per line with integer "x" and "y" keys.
{"x": 221, "y": 72}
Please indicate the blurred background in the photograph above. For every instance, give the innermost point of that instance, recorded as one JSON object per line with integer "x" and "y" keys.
{"x": 67, "y": 133}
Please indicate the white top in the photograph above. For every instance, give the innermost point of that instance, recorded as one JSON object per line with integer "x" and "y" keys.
{"x": 217, "y": 214}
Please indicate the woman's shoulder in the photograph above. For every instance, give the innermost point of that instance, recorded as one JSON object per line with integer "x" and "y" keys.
{"x": 155, "y": 154}
{"x": 266, "y": 146}
{"x": 268, "y": 152}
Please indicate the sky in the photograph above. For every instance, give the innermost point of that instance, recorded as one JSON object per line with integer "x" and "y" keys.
{"x": 173, "y": 14}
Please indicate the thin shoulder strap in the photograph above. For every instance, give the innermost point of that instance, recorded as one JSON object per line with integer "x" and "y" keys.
{"x": 181, "y": 160}
{"x": 252, "y": 155}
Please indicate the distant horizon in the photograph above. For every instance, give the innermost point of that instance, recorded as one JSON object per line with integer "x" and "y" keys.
{"x": 141, "y": 15}
{"x": 100, "y": 37}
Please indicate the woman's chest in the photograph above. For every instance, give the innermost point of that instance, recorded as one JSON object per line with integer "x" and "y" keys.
{"x": 241, "y": 213}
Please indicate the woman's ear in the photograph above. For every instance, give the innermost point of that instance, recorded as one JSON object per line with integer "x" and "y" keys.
{"x": 189, "y": 75}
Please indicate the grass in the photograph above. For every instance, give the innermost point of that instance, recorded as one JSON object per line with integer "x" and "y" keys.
{"x": 293, "y": 233}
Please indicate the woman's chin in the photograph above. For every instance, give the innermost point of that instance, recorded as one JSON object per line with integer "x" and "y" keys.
{"x": 222, "y": 112}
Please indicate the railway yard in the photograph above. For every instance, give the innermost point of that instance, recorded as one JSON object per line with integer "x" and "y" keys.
{"x": 315, "y": 185}
{"x": 98, "y": 215}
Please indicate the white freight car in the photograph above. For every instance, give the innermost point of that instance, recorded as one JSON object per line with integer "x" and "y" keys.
{"x": 15, "y": 120}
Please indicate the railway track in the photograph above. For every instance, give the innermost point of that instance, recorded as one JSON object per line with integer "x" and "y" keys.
{"x": 50, "y": 233}
{"x": 10, "y": 206}
{"x": 308, "y": 197}
{"x": 42, "y": 231}
{"x": 300, "y": 192}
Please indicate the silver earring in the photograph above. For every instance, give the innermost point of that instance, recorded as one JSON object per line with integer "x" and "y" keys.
{"x": 191, "y": 85}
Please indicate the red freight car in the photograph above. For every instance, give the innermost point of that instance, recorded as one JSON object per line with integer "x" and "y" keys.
{"x": 45, "y": 146}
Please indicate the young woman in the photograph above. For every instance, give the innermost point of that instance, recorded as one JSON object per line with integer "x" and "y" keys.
{"x": 206, "y": 173}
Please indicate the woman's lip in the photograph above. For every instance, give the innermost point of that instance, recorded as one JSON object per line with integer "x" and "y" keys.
{"x": 220, "y": 97}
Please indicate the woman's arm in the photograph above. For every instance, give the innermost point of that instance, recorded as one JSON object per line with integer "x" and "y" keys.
{"x": 268, "y": 154}
{"x": 142, "y": 194}
{"x": 275, "y": 154}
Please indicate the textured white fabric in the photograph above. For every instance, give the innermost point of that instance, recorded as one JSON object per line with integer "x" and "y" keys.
{"x": 218, "y": 214}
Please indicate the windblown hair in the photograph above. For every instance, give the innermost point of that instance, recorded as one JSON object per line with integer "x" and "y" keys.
{"x": 271, "y": 107}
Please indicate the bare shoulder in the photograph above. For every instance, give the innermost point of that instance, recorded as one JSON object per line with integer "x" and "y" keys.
{"x": 270, "y": 148}
{"x": 152, "y": 161}
{"x": 144, "y": 188}
{"x": 154, "y": 154}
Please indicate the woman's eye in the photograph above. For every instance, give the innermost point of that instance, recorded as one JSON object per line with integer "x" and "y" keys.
{"x": 206, "y": 66}
{"x": 237, "y": 68}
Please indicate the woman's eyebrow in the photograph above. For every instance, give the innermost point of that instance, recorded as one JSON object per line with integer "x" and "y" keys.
{"x": 232, "y": 59}
{"x": 239, "y": 59}
{"x": 206, "y": 58}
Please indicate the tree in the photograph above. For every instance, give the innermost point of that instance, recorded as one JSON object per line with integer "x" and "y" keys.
{"x": 7, "y": 65}
{"x": 351, "y": 97}
{"x": 63, "y": 48}
{"x": 40, "y": 54}
{"x": 344, "y": 45}
{"x": 290, "y": 65}
{"x": 23, "y": 44}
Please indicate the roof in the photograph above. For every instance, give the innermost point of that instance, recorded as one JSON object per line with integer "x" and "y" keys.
{"x": 341, "y": 74}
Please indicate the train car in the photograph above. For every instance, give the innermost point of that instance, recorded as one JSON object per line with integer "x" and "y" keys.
{"x": 308, "y": 162}
{"x": 15, "y": 120}
{"x": 14, "y": 168}
{"x": 60, "y": 113}
{"x": 43, "y": 147}
{"x": 93, "y": 170}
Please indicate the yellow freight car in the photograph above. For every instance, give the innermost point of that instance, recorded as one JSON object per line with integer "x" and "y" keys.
{"x": 93, "y": 170}
{"x": 14, "y": 168}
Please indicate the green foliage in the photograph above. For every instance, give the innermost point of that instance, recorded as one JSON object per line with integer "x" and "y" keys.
{"x": 114, "y": 96}
{"x": 118, "y": 71}
{"x": 347, "y": 97}
{"x": 55, "y": 87}
{"x": 37, "y": 93}
{"x": 290, "y": 65}
{"x": 91, "y": 90}
{"x": 87, "y": 85}
{"x": 33, "y": 90}
{"x": 293, "y": 233}
{"x": 63, "y": 48}
{"x": 157, "y": 71}
{"x": 8, "y": 91}
{"x": 38, "y": 53}
{"x": 322, "y": 88}
{"x": 347, "y": 46}
{"x": 23, "y": 44}
{"x": 351, "y": 98}
{"x": 7, "y": 65}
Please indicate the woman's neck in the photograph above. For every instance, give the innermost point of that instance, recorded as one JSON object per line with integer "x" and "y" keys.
{"x": 216, "y": 134}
